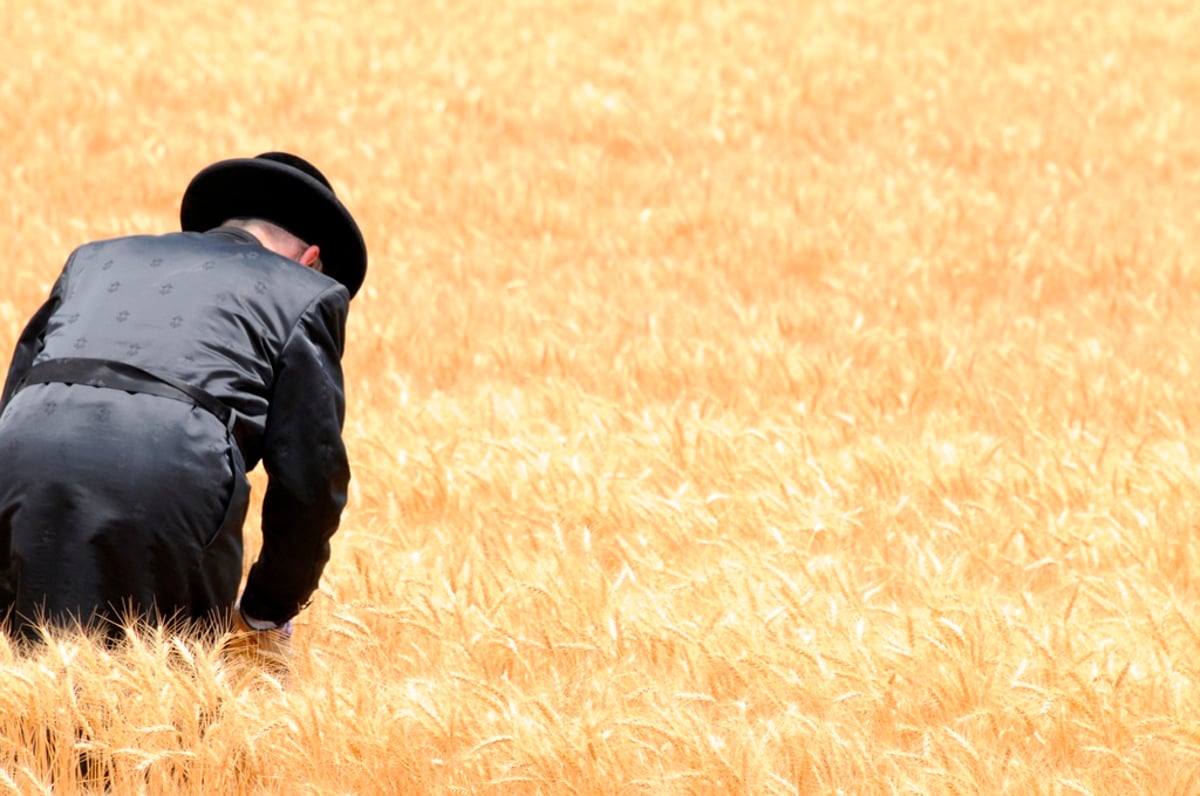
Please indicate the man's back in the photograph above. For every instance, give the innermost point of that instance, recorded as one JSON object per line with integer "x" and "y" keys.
{"x": 212, "y": 309}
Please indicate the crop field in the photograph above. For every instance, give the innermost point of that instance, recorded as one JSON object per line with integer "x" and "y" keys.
{"x": 745, "y": 397}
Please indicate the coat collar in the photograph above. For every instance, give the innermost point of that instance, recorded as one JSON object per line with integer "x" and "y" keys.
{"x": 235, "y": 232}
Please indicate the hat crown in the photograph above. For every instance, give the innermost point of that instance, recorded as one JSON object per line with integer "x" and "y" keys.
{"x": 297, "y": 163}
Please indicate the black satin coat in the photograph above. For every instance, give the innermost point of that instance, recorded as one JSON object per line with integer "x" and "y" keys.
{"x": 111, "y": 500}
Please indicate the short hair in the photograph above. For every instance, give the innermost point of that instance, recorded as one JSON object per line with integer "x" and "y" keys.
{"x": 277, "y": 233}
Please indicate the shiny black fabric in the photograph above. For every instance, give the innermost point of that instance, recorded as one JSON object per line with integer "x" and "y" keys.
{"x": 111, "y": 500}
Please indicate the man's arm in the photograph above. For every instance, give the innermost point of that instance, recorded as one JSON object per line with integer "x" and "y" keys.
{"x": 31, "y": 342}
{"x": 306, "y": 464}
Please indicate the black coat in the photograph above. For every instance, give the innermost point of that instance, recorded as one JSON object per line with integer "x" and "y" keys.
{"x": 116, "y": 499}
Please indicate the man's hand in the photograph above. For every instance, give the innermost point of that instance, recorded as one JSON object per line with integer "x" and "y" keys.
{"x": 269, "y": 647}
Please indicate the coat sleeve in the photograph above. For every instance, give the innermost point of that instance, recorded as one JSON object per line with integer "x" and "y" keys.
{"x": 306, "y": 464}
{"x": 32, "y": 340}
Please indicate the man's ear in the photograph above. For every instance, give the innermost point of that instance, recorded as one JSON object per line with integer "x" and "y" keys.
{"x": 309, "y": 256}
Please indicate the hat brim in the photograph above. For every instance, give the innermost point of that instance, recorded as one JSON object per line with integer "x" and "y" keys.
{"x": 261, "y": 188}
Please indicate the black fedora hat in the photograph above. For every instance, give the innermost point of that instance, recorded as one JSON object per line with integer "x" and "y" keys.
{"x": 285, "y": 190}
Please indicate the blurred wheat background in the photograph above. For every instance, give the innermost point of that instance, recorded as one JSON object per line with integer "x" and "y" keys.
{"x": 746, "y": 397}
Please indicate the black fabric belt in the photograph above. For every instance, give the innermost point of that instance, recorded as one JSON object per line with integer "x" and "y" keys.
{"x": 123, "y": 376}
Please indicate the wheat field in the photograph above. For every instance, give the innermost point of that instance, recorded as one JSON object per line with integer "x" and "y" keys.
{"x": 745, "y": 397}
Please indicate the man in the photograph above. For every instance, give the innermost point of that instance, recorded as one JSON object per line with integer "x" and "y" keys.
{"x": 160, "y": 370}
